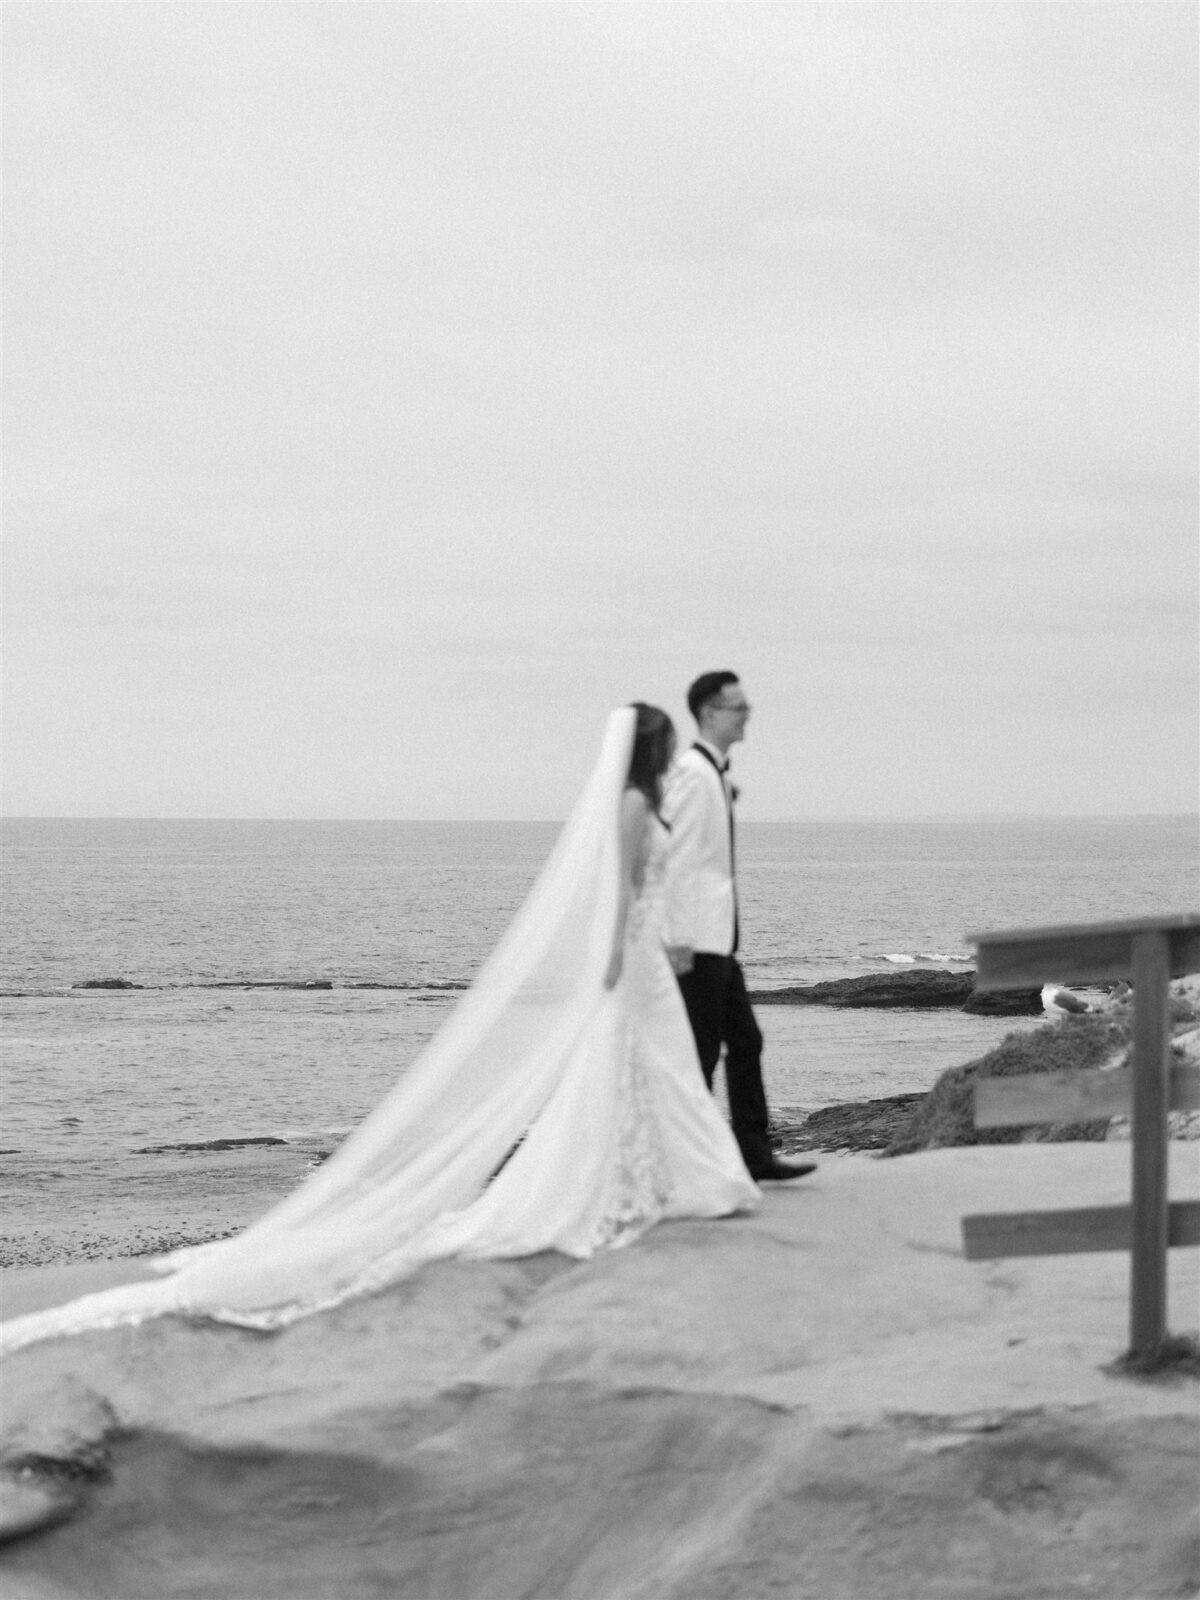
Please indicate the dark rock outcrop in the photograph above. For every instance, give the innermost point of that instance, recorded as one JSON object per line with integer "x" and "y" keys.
{"x": 1005, "y": 1003}
{"x": 853, "y": 1125}
{"x": 209, "y": 1144}
{"x": 914, "y": 990}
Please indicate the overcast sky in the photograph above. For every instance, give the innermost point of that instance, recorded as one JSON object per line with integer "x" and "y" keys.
{"x": 393, "y": 389}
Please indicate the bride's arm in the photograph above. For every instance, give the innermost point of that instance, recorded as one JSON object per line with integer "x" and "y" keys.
{"x": 635, "y": 808}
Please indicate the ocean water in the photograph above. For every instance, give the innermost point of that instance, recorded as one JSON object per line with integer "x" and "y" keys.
{"x": 222, "y": 925}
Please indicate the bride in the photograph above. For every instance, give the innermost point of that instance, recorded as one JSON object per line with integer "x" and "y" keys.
{"x": 560, "y": 1107}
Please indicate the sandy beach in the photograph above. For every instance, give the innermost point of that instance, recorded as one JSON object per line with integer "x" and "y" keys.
{"x": 823, "y": 1400}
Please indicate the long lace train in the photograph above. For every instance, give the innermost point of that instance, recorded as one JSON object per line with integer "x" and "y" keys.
{"x": 547, "y": 1113}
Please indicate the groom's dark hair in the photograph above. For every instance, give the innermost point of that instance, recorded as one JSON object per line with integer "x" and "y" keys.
{"x": 707, "y": 687}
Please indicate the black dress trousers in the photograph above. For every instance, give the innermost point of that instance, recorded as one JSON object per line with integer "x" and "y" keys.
{"x": 719, "y": 1010}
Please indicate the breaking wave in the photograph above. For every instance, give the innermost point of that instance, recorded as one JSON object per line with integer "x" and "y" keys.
{"x": 912, "y": 958}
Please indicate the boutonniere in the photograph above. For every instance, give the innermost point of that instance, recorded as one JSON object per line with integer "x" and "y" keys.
{"x": 734, "y": 791}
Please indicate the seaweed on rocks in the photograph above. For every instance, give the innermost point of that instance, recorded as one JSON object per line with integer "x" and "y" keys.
{"x": 945, "y": 1116}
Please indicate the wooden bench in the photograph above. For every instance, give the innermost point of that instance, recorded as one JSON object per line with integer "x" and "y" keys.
{"x": 1150, "y": 951}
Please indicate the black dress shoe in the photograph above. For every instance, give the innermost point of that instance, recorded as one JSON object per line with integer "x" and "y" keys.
{"x": 781, "y": 1171}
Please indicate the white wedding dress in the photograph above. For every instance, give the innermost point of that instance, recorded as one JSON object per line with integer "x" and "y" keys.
{"x": 549, "y": 1113}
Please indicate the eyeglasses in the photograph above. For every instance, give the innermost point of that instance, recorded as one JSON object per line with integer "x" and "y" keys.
{"x": 715, "y": 705}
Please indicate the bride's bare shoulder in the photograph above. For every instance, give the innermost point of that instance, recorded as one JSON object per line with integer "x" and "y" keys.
{"x": 634, "y": 802}
{"x": 635, "y": 808}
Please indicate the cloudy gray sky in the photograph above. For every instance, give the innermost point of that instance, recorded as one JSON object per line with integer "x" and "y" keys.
{"x": 392, "y": 389}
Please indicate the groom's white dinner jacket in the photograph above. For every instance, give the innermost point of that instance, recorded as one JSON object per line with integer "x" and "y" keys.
{"x": 700, "y": 907}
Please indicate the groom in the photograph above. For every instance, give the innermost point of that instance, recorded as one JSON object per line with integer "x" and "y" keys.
{"x": 702, "y": 917}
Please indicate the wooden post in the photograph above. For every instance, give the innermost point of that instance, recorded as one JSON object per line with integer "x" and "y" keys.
{"x": 1151, "y": 1030}
{"x": 1152, "y": 951}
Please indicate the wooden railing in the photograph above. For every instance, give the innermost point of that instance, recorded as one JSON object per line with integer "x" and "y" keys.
{"x": 1151, "y": 951}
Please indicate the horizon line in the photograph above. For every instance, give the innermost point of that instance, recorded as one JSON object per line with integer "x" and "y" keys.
{"x": 811, "y": 816}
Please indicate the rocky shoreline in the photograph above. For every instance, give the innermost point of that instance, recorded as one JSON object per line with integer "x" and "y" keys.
{"x": 257, "y": 1173}
{"x": 855, "y": 1125}
{"x": 906, "y": 989}
{"x": 196, "y": 1193}
{"x": 635, "y": 1425}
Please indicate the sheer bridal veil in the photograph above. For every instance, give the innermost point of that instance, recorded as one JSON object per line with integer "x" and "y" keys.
{"x": 430, "y": 1147}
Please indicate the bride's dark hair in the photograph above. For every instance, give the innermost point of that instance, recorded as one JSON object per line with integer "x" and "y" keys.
{"x": 653, "y": 742}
